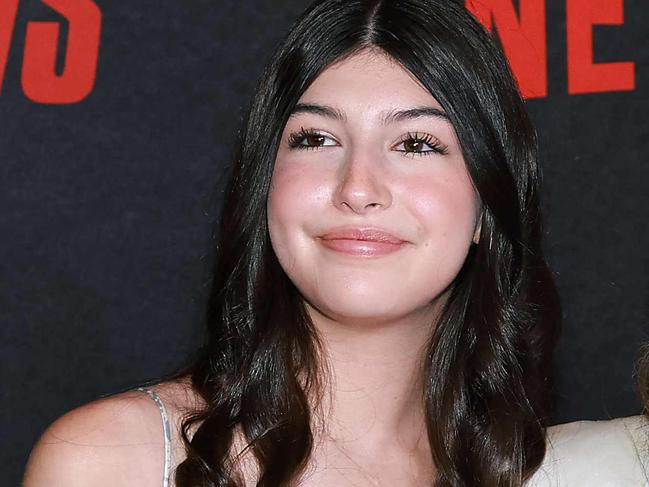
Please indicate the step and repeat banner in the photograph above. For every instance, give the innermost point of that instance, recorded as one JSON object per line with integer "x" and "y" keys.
{"x": 117, "y": 124}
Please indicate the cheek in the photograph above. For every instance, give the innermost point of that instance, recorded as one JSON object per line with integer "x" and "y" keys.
{"x": 295, "y": 193}
{"x": 296, "y": 187}
{"x": 445, "y": 206}
{"x": 280, "y": 206}
{"x": 445, "y": 210}
{"x": 286, "y": 186}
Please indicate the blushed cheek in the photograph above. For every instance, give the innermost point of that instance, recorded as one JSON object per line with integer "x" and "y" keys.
{"x": 275, "y": 207}
{"x": 285, "y": 187}
{"x": 297, "y": 190}
{"x": 279, "y": 208}
{"x": 446, "y": 208}
{"x": 289, "y": 204}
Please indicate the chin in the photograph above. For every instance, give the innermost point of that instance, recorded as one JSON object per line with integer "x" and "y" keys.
{"x": 363, "y": 310}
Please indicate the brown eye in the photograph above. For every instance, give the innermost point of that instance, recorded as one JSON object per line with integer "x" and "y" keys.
{"x": 421, "y": 145}
{"x": 314, "y": 140}
{"x": 412, "y": 145}
{"x": 309, "y": 139}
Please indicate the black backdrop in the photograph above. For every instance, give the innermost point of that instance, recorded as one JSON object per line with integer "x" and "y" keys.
{"x": 108, "y": 201}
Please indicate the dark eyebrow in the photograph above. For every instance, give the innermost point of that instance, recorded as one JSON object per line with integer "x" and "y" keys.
{"x": 412, "y": 113}
{"x": 391, "y": 117}
{"x": 323, "y": 110}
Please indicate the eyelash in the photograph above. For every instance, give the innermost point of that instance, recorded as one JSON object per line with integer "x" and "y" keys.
{"x": 296, "y": 141}
{"x": 435, "y": 145}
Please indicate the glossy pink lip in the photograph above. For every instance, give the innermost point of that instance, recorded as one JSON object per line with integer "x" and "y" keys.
{"x": 367, "y": 242}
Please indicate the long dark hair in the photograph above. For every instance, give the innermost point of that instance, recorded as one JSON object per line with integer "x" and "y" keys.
{"x": 642, "y": 378}
{"x": 486, "y": 374}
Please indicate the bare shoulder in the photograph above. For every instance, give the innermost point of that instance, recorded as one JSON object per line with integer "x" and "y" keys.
{"x": 178, "y": 396}
{"x": 117, "y": 440}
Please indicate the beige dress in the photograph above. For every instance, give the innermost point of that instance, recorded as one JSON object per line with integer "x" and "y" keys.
{"x": 613, "y": 453}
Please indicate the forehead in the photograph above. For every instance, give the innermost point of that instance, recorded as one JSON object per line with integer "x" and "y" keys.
{"x": 368, "y": 80}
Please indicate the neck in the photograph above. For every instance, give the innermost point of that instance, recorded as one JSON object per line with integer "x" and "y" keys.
{"x": 374, "y": 399}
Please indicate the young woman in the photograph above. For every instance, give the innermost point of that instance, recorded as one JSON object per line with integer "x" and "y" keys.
{"x": 382, "y": 313}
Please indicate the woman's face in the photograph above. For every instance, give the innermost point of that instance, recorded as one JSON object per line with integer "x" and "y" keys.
{"x": 371, "y": 210}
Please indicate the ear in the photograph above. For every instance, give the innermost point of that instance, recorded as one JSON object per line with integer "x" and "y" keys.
{"x": 478, "y": 229}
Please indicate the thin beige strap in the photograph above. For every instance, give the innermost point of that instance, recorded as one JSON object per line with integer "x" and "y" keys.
{"x": 166, "y": 428}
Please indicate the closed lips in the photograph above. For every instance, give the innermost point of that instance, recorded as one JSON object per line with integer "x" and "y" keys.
{"x": 368, "y": 235}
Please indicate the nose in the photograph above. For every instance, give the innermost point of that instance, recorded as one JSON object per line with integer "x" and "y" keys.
{"x": 362, "y": 186}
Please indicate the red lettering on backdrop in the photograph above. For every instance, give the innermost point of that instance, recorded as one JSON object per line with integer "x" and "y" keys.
{"x": 584, "y": 76}
{"x": 8, "y": 10}
{"x": 523, "y": 38}
{"x": 40, "y": 82}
